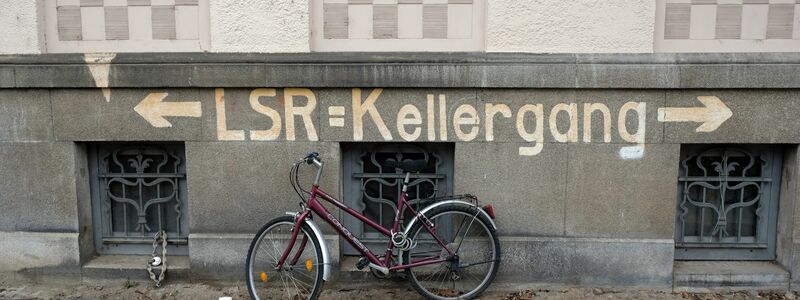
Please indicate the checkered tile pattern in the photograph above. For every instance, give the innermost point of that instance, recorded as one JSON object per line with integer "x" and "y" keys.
{"x": 397, "y": 19}
{"x": 101, "y": 20}
{"x": 732, "y": 19}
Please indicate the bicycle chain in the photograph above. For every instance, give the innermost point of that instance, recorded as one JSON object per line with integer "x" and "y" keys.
{"x": 153, "y": 262}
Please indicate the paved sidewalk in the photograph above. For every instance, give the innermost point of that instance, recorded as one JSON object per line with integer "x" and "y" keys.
{"x": 143, "y": 290}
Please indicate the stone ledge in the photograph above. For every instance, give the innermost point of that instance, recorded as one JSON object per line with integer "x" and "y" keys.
{"x": 222, "y": 256}
{"x": 32, "y": 251}
{"x": 587, "y": 261}
{"x": 710, "y": 276}
{"x": 121, "y": 267}
{"x": 443, "y": 70}
{"x": 550, "y": 260}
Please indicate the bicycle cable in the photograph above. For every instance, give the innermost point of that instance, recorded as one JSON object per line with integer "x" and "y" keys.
{"x": 294, "y": 179}
{"x": 294, "y": 184}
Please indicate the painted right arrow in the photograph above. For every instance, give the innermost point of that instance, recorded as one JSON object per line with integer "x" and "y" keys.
{"x": 712, "y": 115}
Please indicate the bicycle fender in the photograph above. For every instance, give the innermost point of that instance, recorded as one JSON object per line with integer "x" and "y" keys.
{"x": 326, "y": 269}
{"x": 426, "y": 209}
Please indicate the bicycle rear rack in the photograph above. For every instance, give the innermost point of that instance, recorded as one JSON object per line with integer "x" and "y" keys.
{"x": 464, "y": 197}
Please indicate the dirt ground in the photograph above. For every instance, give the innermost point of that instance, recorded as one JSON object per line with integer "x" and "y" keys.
{"x": 144, "y": 290}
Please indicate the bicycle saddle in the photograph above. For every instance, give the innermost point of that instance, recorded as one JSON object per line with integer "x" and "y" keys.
{"x": 407, "y": 165}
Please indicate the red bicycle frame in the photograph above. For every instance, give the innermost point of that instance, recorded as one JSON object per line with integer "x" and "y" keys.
{"x": 313, "y": 205}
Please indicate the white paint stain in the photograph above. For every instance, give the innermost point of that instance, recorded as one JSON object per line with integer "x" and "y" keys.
{"x": 99, "y": 65}
{"x": 631, "y": 152}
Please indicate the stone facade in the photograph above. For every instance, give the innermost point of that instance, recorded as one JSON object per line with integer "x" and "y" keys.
{"x": 577, "y": 201}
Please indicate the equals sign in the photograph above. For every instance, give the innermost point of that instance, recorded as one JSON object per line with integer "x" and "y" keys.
{"x": 336, "y": 116}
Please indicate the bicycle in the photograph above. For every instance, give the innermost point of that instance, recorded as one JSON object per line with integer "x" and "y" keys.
{"x": 439, "y": 260}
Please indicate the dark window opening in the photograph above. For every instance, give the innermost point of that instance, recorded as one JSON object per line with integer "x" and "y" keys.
{"x": 728, "y": 202}
{"x": 373, "y": 189}
{"x": 138, "y": 189}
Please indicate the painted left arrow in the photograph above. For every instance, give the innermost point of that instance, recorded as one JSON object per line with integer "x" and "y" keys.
{"x": 712, "y": 115}
{"x": 153, "y": 109}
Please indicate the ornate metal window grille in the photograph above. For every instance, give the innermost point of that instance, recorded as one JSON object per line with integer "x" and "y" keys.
{"x": 374, "y": 188}
{"x": 138, "y": 190}
{"x": 727, "y": 206}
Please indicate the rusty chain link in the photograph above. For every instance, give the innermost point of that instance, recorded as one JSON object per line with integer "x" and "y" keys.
{"x": 155, "y": 261}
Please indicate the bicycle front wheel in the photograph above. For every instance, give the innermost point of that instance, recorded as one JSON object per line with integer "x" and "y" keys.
{"x": 301, "y": 280}
{"x": 467, "y": 233}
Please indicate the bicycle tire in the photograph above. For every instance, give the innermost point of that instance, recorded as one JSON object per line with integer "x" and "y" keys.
{"x": 494, "y": 261}
{"x": 259, "y": 237}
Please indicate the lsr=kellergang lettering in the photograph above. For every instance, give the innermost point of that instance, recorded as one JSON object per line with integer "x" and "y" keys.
{"x": 436, "y": 120}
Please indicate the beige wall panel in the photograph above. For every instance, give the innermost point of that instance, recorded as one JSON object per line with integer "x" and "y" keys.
{"x": 411, "y": 16}
{"x": 93, "y": 23}
{"x": 754, "y": 22}
{"x": 570, "y": 26}
{"x": 360, "y": 21}
{"x": 702, "y": 22}
{"x": 186, "y": 22}
{"x": 260, "y": 26}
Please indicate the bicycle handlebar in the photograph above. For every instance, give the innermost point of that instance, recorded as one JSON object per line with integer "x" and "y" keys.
{"x": 312, "y": 158}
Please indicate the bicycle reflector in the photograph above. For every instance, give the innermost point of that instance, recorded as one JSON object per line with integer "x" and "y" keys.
{"x": 489, "y": 209}
{"x": 263, "y": 277}
{"x": 309, "y": 265}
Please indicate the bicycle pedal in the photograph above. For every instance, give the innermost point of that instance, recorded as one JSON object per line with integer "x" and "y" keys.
{"x": 362, "y": 263}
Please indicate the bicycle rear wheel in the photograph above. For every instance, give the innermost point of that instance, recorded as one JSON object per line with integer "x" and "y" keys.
{"x": 467, "y": 233}
{"x": 300, "y": 281}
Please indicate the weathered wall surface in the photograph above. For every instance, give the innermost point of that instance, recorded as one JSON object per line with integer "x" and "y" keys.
{"x": 19, "y": 27}
{"x": 39, "y": 216}
{"x": 536, "y": 26}
{"x": 39, "y": 252}
{"x": 570, "y": 26}
{"x": 549, "y": 198}
{"x": 259, "y": 26}
{"x": 582, "y": 176}
{"x": 284, "y": 26}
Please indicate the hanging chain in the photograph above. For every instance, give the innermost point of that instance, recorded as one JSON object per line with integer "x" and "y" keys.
{"x": 156, "y": 261}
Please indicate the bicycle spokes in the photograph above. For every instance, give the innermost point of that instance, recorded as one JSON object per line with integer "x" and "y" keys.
{"x": 295, "y": 279}
{"x": 469, "y": 251}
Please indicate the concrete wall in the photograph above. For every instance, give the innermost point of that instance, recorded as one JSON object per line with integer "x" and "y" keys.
{"x": 39, "y": 219}
{"x": 579, "y": 203}
{"x": 570, "y": 26}
{"x": 19, "y": 27}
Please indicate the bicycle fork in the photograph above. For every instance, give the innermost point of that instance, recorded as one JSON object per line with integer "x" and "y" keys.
{"x": 300, "y": 219}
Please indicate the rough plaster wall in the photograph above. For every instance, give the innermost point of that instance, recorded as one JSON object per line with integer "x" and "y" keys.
{"x": 570, "y": 26}
{"x": 259, "y": 26}
{"x": 29, "y": 250}
{"x": 19, "y": 32}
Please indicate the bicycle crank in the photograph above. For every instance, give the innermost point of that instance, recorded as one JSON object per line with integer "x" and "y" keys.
{"x": 377, "y": 271}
